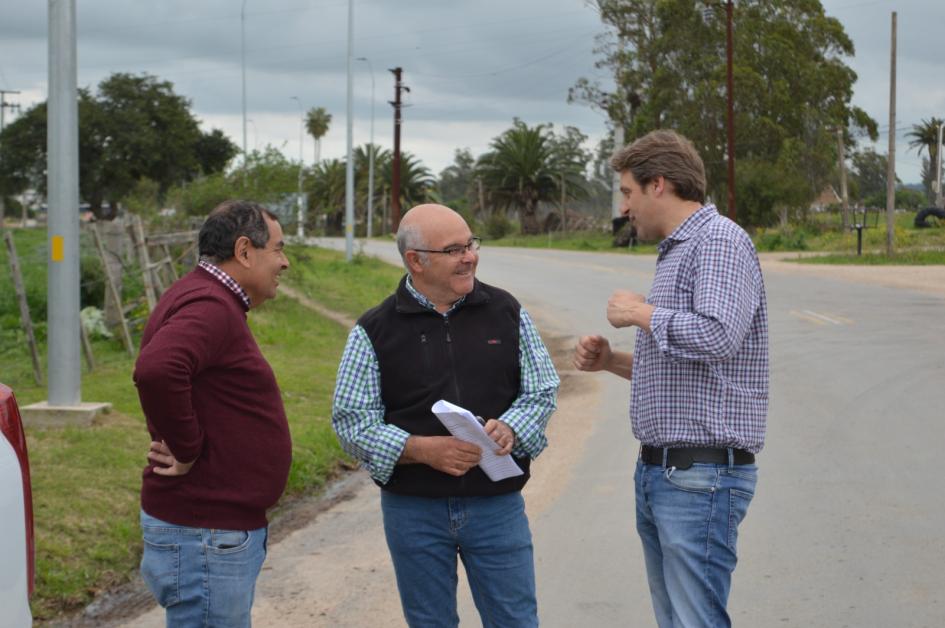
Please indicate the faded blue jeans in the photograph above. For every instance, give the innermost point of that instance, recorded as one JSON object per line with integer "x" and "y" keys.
{"x": 202, "y": 576}
{"x": 489, "y": 534}
{"x": 688, "y": 521}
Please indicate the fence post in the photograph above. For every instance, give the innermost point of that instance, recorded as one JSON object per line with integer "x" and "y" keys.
{"x": 115, "y": 293}
{"x": 25, "y": 319}
{"x": 145, "y": 261}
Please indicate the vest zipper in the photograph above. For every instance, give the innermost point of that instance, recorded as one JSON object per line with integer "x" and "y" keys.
{"x": 449, "y": 352}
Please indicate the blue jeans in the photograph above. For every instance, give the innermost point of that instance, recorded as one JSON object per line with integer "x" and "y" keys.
{"x": 688, "y": 522}
{"x": 202, "y": 576}
{"x": 489, "y": 534}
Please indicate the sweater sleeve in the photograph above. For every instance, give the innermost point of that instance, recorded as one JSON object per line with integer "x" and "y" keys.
{"x": 184, "y": 345}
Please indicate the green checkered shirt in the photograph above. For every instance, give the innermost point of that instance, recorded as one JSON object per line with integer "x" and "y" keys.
{"x": 358, "y": 411}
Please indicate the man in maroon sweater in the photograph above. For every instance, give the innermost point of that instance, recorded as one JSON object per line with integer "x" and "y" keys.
{"x": 221, "y": 449}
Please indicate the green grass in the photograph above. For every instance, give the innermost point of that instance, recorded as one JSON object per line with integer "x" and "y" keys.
{"x": 821, "y": 234}
{"x": 906, "y": 258}
{"x": 86, "y": 481}
{"x": 348, "y": 288}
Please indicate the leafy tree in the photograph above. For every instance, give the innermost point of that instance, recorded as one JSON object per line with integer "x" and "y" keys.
{"x": 134, "y": 128}
{"x": 869, "y": 173}
{"x": 267, "y": 177}
{"x": 317, "y": 121}
{"x": 214, "y": 151}
{"x": 457, "y": 183}
{"x": 326, "y": 190}
{"x": 528, "y": 165}
{"x": 925, "y": 138}
{"x": 792, "y": 88}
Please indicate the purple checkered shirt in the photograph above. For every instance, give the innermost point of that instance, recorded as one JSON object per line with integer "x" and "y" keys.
{"x": 700, "y": 377}
{"x": 226, "y": 280}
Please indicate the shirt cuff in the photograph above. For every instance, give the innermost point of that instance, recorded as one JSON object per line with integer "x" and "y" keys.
{"x": 659, "y": 327}
{"x": 389, "y": 446}
{"x": 529, "y": 438}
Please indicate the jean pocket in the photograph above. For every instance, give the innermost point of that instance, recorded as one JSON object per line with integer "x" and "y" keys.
{"x": 698, "y": 478}
{"x": 160, "y": 570}
{"x": 737, "y": 509}
{"x": 228, "y": 541}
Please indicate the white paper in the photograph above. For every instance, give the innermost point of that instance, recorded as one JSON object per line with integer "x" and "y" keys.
{"x": 463, "y": 425}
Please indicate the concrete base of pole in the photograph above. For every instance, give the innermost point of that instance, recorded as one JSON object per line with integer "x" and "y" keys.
{"x": 43, "y": 415}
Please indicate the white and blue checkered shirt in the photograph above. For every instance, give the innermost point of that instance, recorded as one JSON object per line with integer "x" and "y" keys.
{"x": 358, "y": 410}
{"x": 700, "y": 377}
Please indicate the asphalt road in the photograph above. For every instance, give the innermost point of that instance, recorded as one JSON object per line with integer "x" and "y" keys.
{"x": 846, "y": 528}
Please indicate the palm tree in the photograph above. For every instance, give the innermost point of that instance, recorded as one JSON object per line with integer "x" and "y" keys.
{"x": 317, "y": 121}
{"x": 528, "y": 165}
{"x": 925, "y": 136}
{"x": 326, "y": 189}
{"x": 417, "y": 183}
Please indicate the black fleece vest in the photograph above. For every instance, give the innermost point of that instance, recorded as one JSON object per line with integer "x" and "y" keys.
{"x": 470, "y": 358}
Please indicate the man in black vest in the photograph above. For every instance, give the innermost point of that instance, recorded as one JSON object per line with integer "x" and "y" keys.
{"x": 445, "y": 335}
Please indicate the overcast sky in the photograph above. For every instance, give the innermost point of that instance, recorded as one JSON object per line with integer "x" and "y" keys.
{"x": 472, "y": 66}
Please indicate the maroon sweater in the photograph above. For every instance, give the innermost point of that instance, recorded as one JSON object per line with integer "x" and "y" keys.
{"x": 208, "y": 392}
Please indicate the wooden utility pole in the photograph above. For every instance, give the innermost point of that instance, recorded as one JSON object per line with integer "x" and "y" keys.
{"x": 395, "y": 166}
{"x": 843, "y": 180}
{"x": 891, "y": 158}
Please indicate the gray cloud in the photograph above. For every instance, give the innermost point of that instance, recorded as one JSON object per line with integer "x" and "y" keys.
{"x": 471, "y": 66}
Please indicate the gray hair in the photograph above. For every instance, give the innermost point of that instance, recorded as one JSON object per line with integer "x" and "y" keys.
{"x": 410, "y": 237}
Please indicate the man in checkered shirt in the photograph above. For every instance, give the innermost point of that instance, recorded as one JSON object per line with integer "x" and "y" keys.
{"x": 699, "y": 373}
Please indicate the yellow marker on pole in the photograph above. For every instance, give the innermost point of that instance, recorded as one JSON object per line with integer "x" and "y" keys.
{"x": 57, "y": 250}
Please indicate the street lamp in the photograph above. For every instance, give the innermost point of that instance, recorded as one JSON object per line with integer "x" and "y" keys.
{"x": 243, "y": 66}
{"x": 729, "y": 90}
{"x": 370, "y": 198}
{"x": 255, "y": 133}
{"x": 301, "y": 211}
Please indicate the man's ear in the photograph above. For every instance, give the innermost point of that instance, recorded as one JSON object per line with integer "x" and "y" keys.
{"x": 659, "y": 185}
{"x": 241, "y": 250}
{"x": 413, "y": 261}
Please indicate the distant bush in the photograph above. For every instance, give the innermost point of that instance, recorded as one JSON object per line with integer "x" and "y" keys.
{"x": 497, "y": 226}
{"x": 788, "y": 239}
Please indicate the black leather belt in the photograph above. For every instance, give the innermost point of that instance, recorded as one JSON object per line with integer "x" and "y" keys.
{"x": 683, "y": 457}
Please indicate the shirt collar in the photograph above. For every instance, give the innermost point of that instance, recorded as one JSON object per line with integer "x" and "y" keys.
{"x": 226, "y": 280}
{"x": 427, "y": 303}
{"x": 689, "y": 227}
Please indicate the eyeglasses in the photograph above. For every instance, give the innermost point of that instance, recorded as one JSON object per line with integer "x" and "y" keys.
{"x": 457, "y": 250}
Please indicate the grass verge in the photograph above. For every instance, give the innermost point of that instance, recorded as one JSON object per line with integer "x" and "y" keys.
{"x": 86, "y": 480}
{"x": 905, "y": 258}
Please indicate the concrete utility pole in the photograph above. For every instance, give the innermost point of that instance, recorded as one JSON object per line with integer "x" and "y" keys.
{"x": 730, "y": 112}
{"x": 891, "y": 161}
{"x": 243, "y": 73}
{"x": 370, "y": 185}
{"x": 395, "y": 170}
{"x": 300, "y": 231}
{"x": 63, "y": 201}
{"x": 349, "y": 170}
{"x": 938, "y": 169}
{"x": 843, "y": 180}
{"x": 64, "y": 368}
